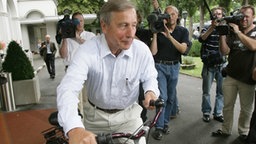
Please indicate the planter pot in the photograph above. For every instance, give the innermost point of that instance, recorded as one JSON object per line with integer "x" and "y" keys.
{"x": 188, "y": 66}
{"x": 26, "y": 91}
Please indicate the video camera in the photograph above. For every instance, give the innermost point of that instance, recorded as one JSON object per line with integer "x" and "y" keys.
{"x": 155, "y": 20}
{"x": 66, "y": 28}
{"x": 225, "y": 29}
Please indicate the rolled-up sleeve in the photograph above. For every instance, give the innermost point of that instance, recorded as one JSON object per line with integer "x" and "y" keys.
{"x": 149, "y": 76}
{"x": 68, "y": 95}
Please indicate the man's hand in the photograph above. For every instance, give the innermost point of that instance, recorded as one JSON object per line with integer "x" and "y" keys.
{"x": 167, "y": 32}
{"x": 79, "y": 39}
{"x": 234, "y": 27}
{"x": 155, "y": 4}
{"x": 215, "y": 23}
{"x": 149, "y": 95}
{"x": 81, "y": 136}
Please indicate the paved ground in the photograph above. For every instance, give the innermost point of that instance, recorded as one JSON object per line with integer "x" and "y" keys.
{"x": 187, "y": 128}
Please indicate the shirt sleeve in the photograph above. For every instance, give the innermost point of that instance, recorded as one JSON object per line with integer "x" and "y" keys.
{"x": 68, "y": 93}
{"x": 187, "y": 41}
{"x": 149, "y": 75}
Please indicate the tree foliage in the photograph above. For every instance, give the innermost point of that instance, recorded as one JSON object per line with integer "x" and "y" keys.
{"x": 83, "y": 6}
{"x": 145, "y": 7}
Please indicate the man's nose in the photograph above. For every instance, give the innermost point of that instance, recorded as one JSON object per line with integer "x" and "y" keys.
{"x": 130, "y": 32}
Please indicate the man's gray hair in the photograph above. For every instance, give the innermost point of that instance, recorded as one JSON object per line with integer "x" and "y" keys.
{"x": 172, "y": 7}
{"x": 114, "y": 6}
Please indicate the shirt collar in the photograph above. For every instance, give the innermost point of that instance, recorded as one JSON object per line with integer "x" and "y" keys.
{"x": 105, "y": 51}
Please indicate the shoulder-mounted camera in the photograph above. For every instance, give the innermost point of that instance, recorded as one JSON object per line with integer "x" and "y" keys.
{"x": 155, "y": 20}
{"x": 66, "y": 27}
{"x": 234, "y": 18}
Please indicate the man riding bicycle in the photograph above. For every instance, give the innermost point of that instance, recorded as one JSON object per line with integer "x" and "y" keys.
{"x": 112, "y": 64}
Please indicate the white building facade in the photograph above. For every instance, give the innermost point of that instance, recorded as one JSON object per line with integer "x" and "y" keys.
{"x": 28, "y": 21}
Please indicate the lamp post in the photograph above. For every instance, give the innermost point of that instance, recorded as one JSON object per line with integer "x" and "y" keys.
{"x": 185, "y": 15}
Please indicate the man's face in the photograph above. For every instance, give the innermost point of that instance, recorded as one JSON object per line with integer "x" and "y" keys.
{"x": 218, "y": 14}
{"x": 80, "y": 18}
{"x": 121, "y": 30}
{"x": 247, "y": 21}
{"x": 173, "y": 16}
{"x": 47, "y": 39}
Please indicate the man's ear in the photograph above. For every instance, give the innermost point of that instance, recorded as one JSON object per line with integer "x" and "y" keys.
{"x": 103, "y": 26}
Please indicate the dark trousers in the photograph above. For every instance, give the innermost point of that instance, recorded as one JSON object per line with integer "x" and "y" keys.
{"x": 50, "y": 64}
{"x": 252, "y": 132}
{"x": 141, "y": 98}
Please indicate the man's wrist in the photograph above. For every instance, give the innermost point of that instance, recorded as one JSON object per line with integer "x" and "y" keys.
{"x": 170, "y": 37}
{"x": 150, "y": 91}
{"x": 74, "y": 131}
{"x": 157, "y": 8}
{"x": 238, "y": 32}
{"x": 80, "y": 40}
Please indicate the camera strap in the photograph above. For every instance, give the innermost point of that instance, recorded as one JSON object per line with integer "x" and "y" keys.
{"x": 210, "y": 12}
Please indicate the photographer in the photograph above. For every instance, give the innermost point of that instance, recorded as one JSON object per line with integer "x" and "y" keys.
{"x": 167, "y": 47}
{"x": 213, "y": 62}
{"x": 252, "y": 132}
{"x": 70, "y": 45}
{"x": 240, "y": 46}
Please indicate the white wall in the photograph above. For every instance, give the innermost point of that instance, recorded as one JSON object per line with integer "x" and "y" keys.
{"x": 17, "y": 17}
{"x": 9, "y": 22}
{"x": 46, "y": 7}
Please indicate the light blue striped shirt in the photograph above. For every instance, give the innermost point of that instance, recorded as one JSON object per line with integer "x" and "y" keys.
{"x": 112, "y": 82}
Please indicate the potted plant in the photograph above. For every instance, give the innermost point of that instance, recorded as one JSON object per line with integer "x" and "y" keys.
{"x": 25, "y": 83}
{"x": 188, "y": 63}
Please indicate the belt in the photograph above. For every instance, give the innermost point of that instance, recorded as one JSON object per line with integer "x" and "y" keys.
{"x": 167, "y": 62}
{"x": 110, "y": 111}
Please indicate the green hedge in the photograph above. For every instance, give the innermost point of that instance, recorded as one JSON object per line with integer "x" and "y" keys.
{"x": 17, "y": 63}
{"x": 195, "y": 49}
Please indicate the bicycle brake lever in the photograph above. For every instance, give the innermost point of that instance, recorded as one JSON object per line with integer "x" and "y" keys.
{"x": 103, "y": 138}
{"x": 157, "y": 103}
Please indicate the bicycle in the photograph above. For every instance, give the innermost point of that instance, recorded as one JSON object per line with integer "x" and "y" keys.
{"x": 55, "y": 135}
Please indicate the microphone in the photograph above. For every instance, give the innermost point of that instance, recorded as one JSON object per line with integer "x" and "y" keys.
{"x": 76, "y": 21}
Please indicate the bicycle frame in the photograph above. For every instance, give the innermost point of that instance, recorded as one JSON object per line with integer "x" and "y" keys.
{"x": 143, "y": 130}
{"x": 55, "y": 135}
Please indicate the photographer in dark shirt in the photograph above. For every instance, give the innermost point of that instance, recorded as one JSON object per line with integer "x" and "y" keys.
{"x": 240, "y": 46}
{"x": 213, "y": 63}
{"x": 252, "y": 133}
{"x": 167, "y": 47}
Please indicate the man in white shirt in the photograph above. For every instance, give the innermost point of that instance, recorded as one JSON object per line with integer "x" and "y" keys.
{"x": 70, "y": 45}
{"x": 113, "y": 65}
